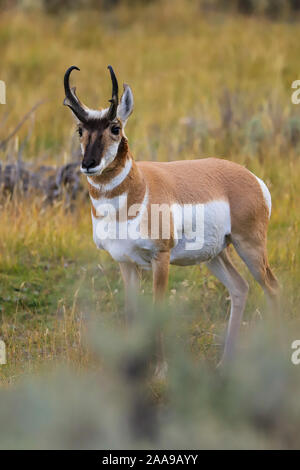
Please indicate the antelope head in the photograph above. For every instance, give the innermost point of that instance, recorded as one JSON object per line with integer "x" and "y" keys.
{"x": 100, "y": 131}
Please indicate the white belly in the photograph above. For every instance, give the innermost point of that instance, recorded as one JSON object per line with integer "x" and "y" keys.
{"x": 208, "y": 240}
{"x": 200, "y": 234}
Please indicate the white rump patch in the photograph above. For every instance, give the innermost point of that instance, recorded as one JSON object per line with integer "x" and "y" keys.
{"x": 266, "y": 194}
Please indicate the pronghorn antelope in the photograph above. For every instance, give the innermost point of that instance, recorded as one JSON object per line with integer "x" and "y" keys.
{"x": 233, "y": 206}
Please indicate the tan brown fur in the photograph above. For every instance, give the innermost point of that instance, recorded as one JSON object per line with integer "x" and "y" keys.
{"x": 208, "y": 179}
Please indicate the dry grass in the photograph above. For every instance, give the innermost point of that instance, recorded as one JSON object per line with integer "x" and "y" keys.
{"x": 203, "y": 86}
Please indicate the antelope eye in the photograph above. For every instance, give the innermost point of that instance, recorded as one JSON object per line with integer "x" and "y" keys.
{"x": 79, "y": 131}
{"x": 115, "y": 130}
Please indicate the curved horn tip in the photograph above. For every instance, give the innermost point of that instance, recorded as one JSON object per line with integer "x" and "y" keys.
{"x": 112, "y": 72}
{"x": 67, "y": 75}
{"x": 74, "y": 67}
{"x": 71, "y": 99}
{"x": 70, "y": 69}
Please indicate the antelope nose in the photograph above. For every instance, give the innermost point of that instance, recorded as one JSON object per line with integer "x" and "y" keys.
{"x": 89, "y": 164}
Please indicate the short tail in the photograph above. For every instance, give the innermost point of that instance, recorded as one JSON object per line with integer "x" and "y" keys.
{"x": 266, "y": 194}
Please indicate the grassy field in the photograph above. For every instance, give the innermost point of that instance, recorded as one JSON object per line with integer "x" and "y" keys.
{"x": 213, "y": 85}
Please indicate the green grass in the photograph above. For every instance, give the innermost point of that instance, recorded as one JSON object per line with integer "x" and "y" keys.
{"x": 181, "y": 66}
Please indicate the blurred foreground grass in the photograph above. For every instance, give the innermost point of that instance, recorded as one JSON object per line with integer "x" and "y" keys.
{"x": 204, "y": 85}
{"x": 115, "y": 404}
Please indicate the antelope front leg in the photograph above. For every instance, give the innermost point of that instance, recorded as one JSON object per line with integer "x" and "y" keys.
{"x": 160, "y": 269}
{"x": 131, "y": 282}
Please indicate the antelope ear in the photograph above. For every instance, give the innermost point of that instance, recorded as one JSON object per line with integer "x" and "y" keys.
{"x": 126, "y": 104}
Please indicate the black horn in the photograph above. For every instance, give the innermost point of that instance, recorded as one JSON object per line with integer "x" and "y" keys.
{"x": 71, "y": 99}
{"x": 112, "y": 112}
